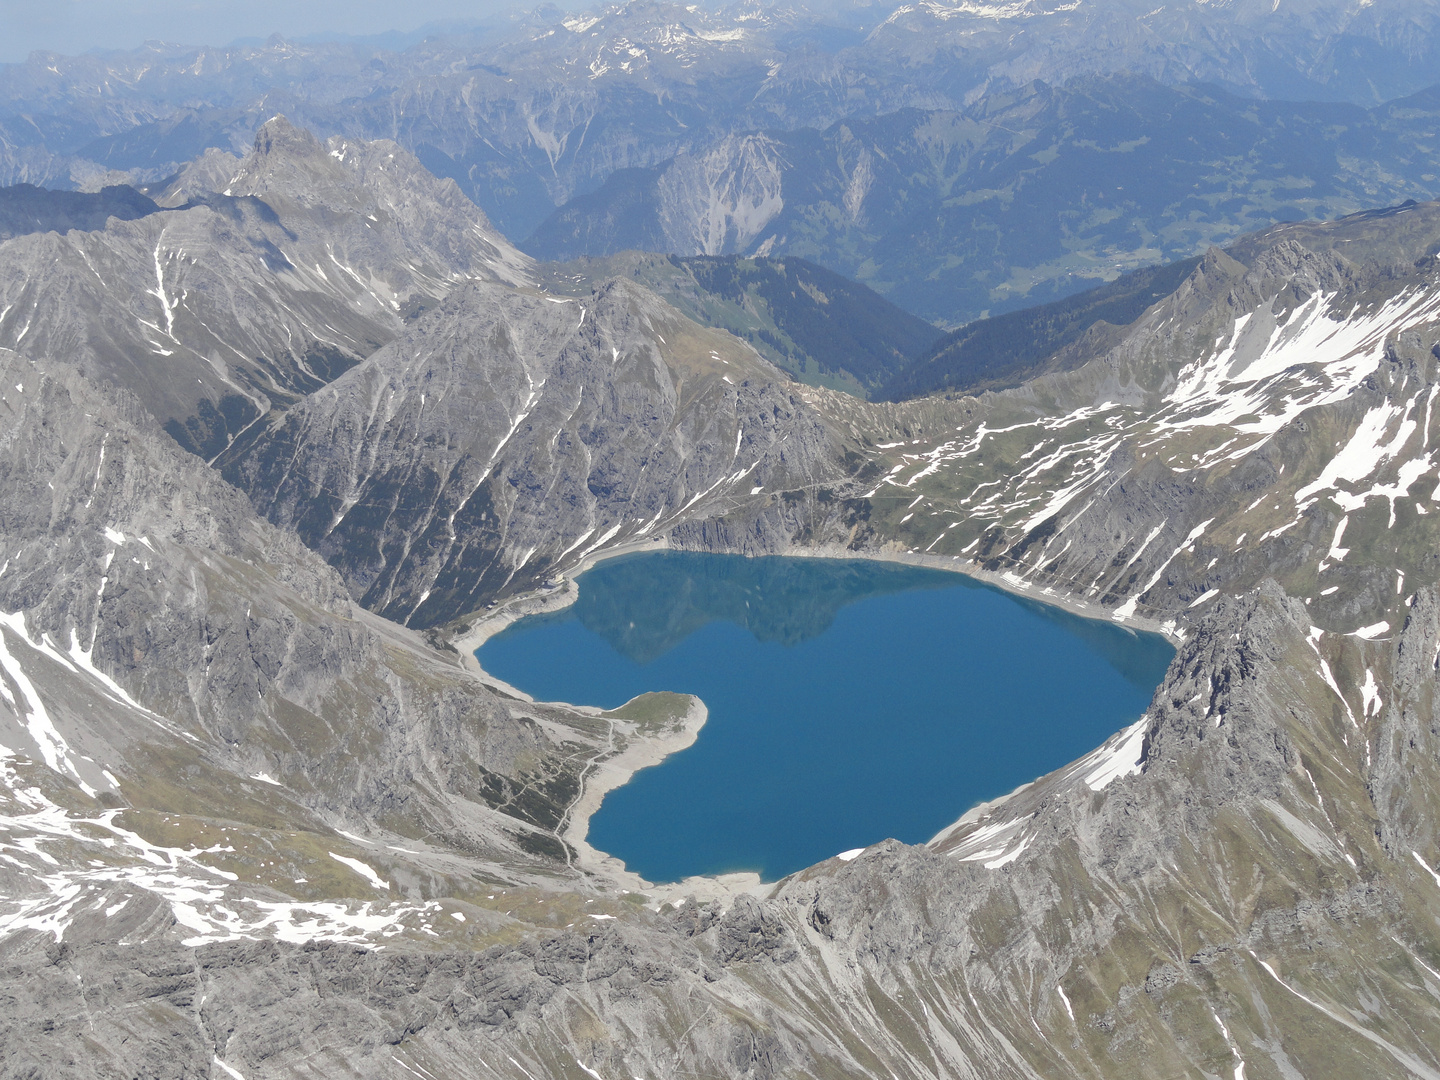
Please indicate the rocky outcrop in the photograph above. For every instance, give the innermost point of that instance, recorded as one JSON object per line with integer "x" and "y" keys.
{"x": 1270, "y": 418}
{"x": 509, "y": 435}
{"x": 164, "y": 648}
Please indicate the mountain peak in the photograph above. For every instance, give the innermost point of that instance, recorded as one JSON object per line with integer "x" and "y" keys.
{"x": 279, "y": 135}
{"x": 375, "y": 188}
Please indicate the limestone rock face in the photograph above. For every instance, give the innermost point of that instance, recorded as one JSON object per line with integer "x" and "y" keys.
{"x": 510, "y": 434}
{"x": 255, "y": 288}
{"x": 1269, "y": 419}
{"x": 164, "y": 648}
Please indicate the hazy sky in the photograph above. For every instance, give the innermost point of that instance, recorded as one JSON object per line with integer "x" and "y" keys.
{"x": 75, "y": 26}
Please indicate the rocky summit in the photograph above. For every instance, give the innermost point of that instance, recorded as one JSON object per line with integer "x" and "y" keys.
{"x": 287, "y": 433}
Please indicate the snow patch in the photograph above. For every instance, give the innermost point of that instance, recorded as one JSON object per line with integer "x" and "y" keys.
{"x": 1420, "y": 859}
{"x": 1066, "y": 999}
{"x": 53, "y": 748}
{"x": 1122, "y": 756}
{"x": 363, "y": 869}
{"x": 1370, "y": 693}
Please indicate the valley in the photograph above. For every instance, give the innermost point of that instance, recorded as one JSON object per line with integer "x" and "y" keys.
{"x": 284, "y": 434}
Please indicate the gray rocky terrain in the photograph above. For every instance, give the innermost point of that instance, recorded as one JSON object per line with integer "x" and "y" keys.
{"x": 509, "y": 434}
{"x": 251, "y": 824}
{"x": 255, "y": 280}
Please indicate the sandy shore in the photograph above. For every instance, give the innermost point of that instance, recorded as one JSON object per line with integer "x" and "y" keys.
{"x": 645, "y": 750}
{"x": 609, "y": 773}
{"x": 642, "y": 751}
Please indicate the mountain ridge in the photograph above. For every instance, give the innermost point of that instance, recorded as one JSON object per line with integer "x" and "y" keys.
{"x": 818, "y": 327}
{"x": 1241, "y": 880}
{"x": 631, "y": 85}
{"x": 237, "y": 291}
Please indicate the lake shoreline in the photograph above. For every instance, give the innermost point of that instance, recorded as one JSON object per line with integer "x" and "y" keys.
{"x": 643, "y": 751}
{"x": 1008, "y": 583}
{"x": 485, "y": 625}
{"x": 608, "y": 773}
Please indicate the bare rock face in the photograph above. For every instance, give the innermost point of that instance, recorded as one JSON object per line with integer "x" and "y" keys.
{"x": 164, "y": 648}
{"x": 510, "y": 434}
{"x": 247, "y": 297}
{"x": 1271, "y": 418}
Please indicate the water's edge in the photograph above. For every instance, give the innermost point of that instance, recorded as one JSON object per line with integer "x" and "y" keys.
{"x": 607, "y": 773}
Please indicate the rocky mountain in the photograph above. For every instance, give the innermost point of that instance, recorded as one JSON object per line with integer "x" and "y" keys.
{"x": 1263, "y": 421}
{"x": 245, "y": 283}
{"x": 1023, "y": 197}
{"x": 509, "y": 435}
{"x": 194, "y": 713}
{"x": 818, "y": 327}
{"x": 252, "y": 828}
{"x": 1007, "y": 350}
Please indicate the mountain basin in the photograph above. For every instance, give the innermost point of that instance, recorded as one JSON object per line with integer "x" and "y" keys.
{"x": 849, "y": 700}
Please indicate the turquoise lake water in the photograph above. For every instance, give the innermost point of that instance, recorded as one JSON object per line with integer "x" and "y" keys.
{"x": 850, "y": 701}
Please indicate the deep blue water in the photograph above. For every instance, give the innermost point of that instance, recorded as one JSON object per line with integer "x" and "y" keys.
{"x": 849, "y": 701}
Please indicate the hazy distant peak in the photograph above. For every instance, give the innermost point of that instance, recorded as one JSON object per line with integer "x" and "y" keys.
{"x": 291, "y": 162}
{"x": 376, "y": 186}
{"x": 278, "y": 134}
{"x": 210, "y": 173}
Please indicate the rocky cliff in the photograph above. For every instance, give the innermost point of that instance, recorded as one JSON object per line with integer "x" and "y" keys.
{"x": 509, "y": 435}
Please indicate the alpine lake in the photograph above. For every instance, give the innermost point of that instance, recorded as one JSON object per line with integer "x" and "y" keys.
{"x": 849, "y": 700}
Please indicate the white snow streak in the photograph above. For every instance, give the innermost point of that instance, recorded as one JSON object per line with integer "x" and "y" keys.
{"x": 363, "y": 869}
{"x": 1121, "y": 756}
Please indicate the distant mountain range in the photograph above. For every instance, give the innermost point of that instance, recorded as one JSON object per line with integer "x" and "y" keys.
{"x": 957, "y": 157}
{"x": 1024, "y": 197}
{"x": 527, "y": 116}
{"x": 819, "y": 327}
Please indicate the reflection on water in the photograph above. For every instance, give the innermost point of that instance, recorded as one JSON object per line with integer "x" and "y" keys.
{"x": 646, "y": 606}
{"x": 849, "y": 700}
